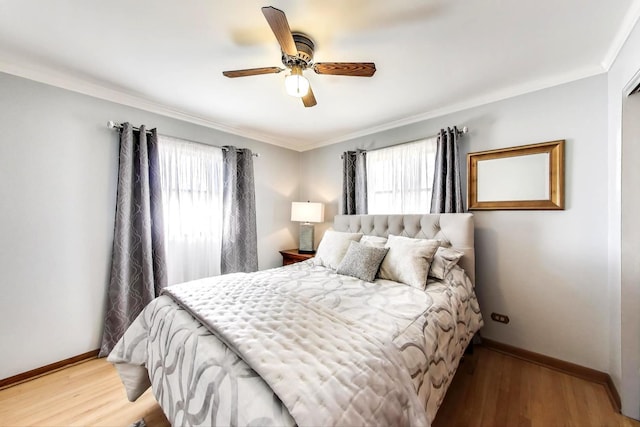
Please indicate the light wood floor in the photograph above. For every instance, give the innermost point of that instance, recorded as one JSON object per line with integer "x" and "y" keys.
{"x": 506, "y": 391}
{"x": 87, "y": 394}
{"x": 502, "y": 391}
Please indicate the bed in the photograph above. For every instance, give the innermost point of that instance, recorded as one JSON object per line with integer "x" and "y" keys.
{"x": 309, "y": 343}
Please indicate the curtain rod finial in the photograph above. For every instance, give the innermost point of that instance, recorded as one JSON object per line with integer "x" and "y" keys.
{"x": 111, "y": 124}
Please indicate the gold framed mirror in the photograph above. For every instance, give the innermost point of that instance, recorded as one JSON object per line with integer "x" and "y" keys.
{"x": 524, "y": 177}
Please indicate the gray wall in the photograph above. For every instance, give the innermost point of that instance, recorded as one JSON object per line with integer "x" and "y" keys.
{"x": 58, "y": 175}
{"x": 624, "y": 234}
{"x": 546, "y": 270}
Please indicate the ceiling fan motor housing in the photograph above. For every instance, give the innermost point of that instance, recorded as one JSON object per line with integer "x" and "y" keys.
{"x": 305, "y": 47}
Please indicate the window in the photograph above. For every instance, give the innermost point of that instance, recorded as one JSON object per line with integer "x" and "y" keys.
{"x": 191, "y": 182}
{"x": 400, "y": 178}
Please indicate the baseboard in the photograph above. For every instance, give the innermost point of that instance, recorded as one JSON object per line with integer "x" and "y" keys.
{"x": 612, "y": 392}
{"x": 560, "y": 365}
{"x": 529, "y": 356}
{"x": 38, "y": 372}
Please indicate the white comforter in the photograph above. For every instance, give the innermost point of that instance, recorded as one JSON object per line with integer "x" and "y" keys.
{"x": 329, "y": 349}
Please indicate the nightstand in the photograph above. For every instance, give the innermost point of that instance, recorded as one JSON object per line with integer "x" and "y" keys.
{"x": 291, "y": 256}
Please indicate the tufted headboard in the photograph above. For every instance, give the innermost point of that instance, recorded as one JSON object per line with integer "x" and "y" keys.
{"x": 453, "y": 229}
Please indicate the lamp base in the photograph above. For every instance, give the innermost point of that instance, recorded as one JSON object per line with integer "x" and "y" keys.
{"x": 306, "y": 238}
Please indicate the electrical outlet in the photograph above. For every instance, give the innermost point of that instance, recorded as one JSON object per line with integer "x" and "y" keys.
{"x": 496, "y": 317}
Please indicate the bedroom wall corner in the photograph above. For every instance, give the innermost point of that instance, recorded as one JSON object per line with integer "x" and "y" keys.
{"x": 623, "y": 202}
{"x": 58, "y": 175}
{"x": 538, "y": 267}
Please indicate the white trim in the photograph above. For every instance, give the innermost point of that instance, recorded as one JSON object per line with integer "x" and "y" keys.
{"x": 628, "y": 23}
{"x": 476, "y": 102}
{"x": 633, "y": 83}
{"x": 98, "y": 90}
{"x": 101, "y": 91}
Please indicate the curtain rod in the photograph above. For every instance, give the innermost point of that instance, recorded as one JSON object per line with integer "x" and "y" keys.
{"x": 113, "y": 125}
{"x": 459, "y": 132}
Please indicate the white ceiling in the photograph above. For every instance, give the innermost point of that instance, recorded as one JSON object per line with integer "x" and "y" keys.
{"x": 432, "y": 57}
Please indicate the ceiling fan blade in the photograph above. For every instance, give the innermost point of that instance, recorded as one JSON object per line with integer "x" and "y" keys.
{"x": 252, "y": 72}
{"x": 278, "y": 22}
{"x": 309, "y": 100}
{"x": 358, "y": 69}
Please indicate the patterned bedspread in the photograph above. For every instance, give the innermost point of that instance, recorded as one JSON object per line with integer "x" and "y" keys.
{"x": 198, "y": 380}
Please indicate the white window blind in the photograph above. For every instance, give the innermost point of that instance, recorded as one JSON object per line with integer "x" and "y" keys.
{"x": 399, "y": 178}
{"x": 191, "y": 181}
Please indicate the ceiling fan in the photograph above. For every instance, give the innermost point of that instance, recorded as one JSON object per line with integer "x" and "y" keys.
{"x": 297, "y": 55}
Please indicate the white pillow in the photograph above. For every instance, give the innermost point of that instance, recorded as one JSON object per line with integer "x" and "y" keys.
{"x": 408, "y": 260}
{"x": 333, "y": 246}
{"x": 375, "y": 241}
{"x": 443, "y": 262}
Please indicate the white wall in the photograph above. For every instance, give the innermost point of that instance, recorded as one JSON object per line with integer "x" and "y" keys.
{"x": 546, "y": 270}
{"x": 58, "y": 175}
{"x": 624, "y": 278}
{"x": 556, "y": 274}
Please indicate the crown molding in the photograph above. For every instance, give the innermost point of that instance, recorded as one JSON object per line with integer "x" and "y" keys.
{"x": 628, "y": 23}
{"x": 472, "y": 103}
{"x": 101, "y": 91}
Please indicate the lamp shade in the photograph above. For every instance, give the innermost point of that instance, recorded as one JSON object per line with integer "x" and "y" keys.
{"x": 307, "y": 212}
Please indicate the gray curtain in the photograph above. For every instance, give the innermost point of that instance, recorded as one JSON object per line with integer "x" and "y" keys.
{"x": 354, "y": 183}
{"x": 239, "y": 238}
{"x": 138, "y": 266}
{"x": 447, "y": 189}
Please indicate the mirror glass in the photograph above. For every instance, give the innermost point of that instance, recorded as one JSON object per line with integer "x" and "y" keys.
{"x": 523, "y": 177}
{"x": 528, "y": 178}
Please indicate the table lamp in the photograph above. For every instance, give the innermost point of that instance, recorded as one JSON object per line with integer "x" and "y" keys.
{"x": 306, "y": 213}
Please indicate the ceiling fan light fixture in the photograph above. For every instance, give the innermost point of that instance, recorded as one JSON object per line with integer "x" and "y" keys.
{"x": 297, "y": 55}
{"x": 296, "y": 84}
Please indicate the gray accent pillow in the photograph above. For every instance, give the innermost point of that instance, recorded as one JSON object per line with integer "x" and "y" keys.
{"x": 362, "y": 261}
{"x": 333, "y": 247}
{"x": 408, "y": 260}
